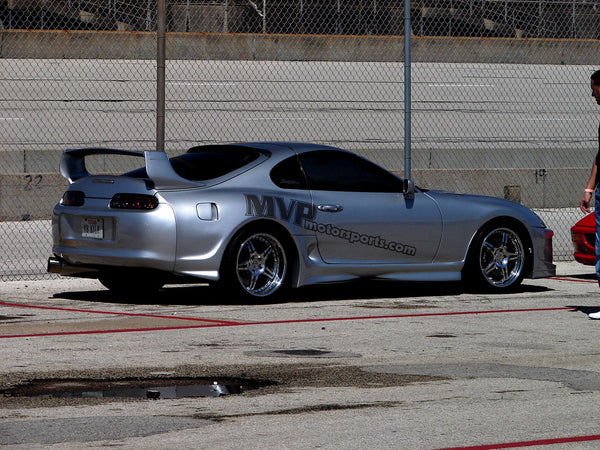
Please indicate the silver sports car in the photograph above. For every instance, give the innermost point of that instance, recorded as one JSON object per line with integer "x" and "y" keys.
{"x": 255, "y": 218}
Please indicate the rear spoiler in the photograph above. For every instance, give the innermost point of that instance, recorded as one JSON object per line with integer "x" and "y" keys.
{"x": 158, "y": 166}
{"x": 72, "y": 164}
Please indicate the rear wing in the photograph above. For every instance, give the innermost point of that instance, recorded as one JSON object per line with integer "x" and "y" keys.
{"x": 72, "y": 164}
{"x": 158, "y": 166}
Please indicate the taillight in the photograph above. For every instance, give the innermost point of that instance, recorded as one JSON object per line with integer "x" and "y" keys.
{"x": 578, "y": 242}
{"x": 583, "y": 243}
{"x": 548, "y": 234}
{"x": 72, "y": 198}
{"x": 133, "y": 201}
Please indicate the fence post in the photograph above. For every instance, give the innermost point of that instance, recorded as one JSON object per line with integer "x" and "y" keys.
{"x": 407, "y": 125}
{"x": 160, "y": 75}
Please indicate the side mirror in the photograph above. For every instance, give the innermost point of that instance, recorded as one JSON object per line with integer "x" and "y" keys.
{"x": 409, "y": 189}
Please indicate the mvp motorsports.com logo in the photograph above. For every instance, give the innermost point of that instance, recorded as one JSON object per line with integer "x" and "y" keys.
{"x": 303, "y": 214}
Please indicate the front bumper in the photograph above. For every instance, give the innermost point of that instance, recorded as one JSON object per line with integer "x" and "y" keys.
{"x": 542, "y": 252}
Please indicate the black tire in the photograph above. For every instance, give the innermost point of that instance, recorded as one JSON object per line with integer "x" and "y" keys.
{"x": 256, "y": 264}
{"x": 131, "y": 282}
{"x": 497, "y": 259}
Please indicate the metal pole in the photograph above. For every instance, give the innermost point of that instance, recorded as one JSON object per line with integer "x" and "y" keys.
{"x": 573, "y": 35}
{"x": 338, "y": 10}
{"x": 160, "y": 75}
{"x": 149, "y": 16}
{"x": 407, "y": 108}
{"x": 187, "y": 16}
{"x": 264, "y": 17}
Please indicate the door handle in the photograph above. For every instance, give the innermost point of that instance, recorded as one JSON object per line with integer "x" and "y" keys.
{"x": 330, "y": 208}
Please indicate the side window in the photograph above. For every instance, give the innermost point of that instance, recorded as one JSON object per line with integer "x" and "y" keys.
{"x": 212, "y": 163}
{"x": 288, "y": 174}
{"x": 329, "y": 170}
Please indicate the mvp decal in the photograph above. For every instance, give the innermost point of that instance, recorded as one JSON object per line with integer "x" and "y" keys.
{"x": 267, "y": 206}
{"x": 302, "y": 214}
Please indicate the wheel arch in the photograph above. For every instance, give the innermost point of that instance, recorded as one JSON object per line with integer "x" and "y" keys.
{"x": 282, "y": 232}
{"x": 507, "y": 221}
{"x": 510, "y": 221}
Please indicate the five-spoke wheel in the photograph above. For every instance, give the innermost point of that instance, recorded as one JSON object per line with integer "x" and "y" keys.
{"x": 257, "y": 264}
{"x": 498, "y": 258}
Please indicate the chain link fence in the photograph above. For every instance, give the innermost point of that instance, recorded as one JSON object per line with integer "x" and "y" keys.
{"x": 500, "y": 94}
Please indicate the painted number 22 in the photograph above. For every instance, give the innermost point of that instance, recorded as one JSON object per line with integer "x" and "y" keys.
{"x": 32, "y": 181}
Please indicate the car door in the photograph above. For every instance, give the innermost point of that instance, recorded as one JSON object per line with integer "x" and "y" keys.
{"x": 362, "y": 216}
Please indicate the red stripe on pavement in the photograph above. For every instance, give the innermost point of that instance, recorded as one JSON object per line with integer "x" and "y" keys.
{"x": 124, "y": 330}
{"x": 217, "y": 323}
{"x": 573, "y": 279}
{"x": 155, "y": 316}
{"x": 554, "y": 441}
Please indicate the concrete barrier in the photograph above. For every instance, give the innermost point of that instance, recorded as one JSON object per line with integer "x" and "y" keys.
{"x": 33, "y": 195}
{"x": 286, "y": 47}
{"x": 558, "y": 187}
{"x": 30, "y": 196}
{"x": 29, "y": 161}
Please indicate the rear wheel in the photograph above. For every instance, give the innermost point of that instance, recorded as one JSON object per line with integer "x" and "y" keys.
{"x": 497, "y": 259}
{"x": 256, "y": 264}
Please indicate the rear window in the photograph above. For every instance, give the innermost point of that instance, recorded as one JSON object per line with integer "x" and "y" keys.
{"x": 208, "y": 162}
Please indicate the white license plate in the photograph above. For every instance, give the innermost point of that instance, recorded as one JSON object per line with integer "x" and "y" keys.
{"x": 92, "y": 228}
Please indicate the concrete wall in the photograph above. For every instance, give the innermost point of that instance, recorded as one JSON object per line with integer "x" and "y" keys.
{"x": 209, "y": 46}
{"x": 557, "y": 187}
{"x": 30, "y": 196}
{"x": 33, "y": 195}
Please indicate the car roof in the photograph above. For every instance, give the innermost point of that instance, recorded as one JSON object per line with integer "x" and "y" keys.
{"x": 275, "y": 148}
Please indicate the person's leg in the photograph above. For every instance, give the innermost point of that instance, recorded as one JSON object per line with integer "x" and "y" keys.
{"x": 596, "y": 315}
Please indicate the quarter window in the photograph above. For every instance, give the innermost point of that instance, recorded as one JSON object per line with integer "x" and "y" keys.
{"x": 288, "y": 174}
{"x": 208, "y": 162}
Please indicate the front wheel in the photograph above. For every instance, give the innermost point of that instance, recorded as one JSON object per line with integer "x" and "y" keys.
{"x": 497, "y": 259}
{"x": 256, "y": 264}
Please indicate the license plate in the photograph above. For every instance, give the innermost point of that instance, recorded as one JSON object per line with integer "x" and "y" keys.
{"x": 92, "y": 228}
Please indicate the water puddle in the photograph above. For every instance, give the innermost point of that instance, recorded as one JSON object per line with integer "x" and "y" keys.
{"x": 303, "y": 353}
{"x": 151, "y": 389}
{"x": 158, "y": 392}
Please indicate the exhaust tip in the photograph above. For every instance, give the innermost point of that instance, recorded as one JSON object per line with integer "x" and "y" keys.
{"x": 56, "y": 265}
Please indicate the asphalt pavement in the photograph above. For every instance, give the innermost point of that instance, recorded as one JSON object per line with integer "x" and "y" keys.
{"x": 354, "y": 365}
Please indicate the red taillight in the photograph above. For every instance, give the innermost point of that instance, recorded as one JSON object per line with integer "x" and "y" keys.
{"x": 72, "y": 198}
{"x": 548, "y": 234}
{"x": 578, "y": 241}
{"x": 134, "y": 201}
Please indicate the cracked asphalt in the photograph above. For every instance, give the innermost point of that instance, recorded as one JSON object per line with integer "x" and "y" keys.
{"x": 357, "y": 365}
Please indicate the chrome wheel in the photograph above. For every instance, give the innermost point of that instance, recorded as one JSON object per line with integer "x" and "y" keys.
{"x": 501, "y": 257}
{"x": 261, "y": 264}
